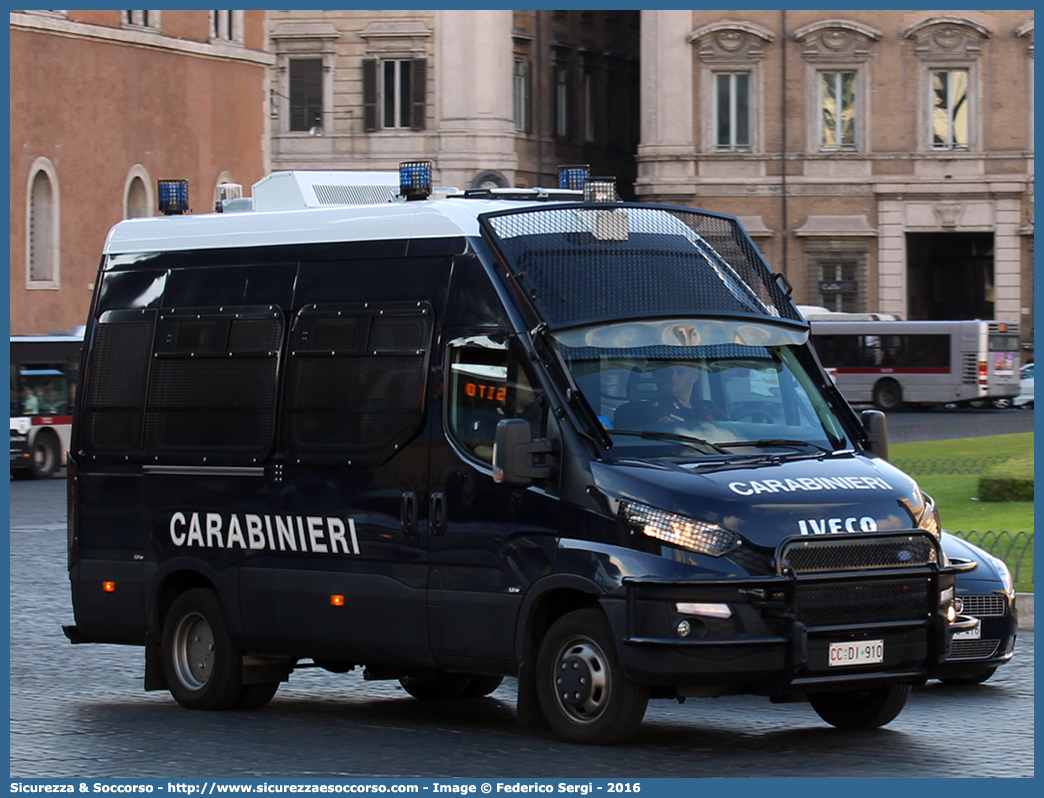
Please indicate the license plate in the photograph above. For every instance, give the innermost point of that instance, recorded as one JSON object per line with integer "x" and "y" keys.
{"x": 969, "y": 634}
{"x": 861, "y": 652}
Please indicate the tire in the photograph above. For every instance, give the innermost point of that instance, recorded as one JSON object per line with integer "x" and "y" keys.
{"x": 255, "y": 696}
{"x": 204, "y": 668}
{"x": 436, "y": 688}
{"x": 583, "y": 692}
{"x": 970, "y": 681}
{"x": 45, "y": 455}
{"x": 888, "y": 396}
{"x": 861, "y": 709}
{"x": 482, "y": 686}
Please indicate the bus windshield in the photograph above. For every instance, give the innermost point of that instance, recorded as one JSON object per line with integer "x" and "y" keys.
{"x": 701, "y": 386}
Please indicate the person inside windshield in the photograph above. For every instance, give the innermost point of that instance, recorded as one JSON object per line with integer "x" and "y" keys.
{"x": 677, "y": 403}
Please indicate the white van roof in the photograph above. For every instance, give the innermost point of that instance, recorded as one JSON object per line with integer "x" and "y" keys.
{"x": 442, "y": 218}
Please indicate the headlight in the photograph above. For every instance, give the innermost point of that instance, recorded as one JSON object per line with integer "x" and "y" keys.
{"x": 1005, "y": 573}
{"x": 929, "y": 519}
{"x": 678, "y": 530}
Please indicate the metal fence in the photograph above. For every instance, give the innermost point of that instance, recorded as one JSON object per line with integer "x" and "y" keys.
{"x": 1015, "y": 548}
{"x": 949, "y": 465}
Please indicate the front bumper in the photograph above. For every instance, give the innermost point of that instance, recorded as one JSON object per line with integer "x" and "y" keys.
{"x": 778, "y": 636}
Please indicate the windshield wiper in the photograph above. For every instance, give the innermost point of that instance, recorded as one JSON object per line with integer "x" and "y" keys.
{"x": 686, "y": 440}
{"x": 766, "y": 443}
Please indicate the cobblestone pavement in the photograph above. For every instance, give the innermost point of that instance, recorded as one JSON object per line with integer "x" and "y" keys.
{"x": 81, "y": 711}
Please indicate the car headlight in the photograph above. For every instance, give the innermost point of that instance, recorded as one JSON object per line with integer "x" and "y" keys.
{"x": 678, "y": 530}
{"x": 1005, "y": 573}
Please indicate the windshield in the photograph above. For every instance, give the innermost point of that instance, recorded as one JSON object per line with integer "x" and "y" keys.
{"x": 701, "y": 386}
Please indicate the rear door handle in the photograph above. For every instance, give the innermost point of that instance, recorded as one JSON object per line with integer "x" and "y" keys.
{"x": 408, "y": 513}
{"x": 437, "y": 513}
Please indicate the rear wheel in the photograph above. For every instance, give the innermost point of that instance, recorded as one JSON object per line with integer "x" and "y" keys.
{"x": 203, "y": 666}
{"x": 46, "y": 455}
{"x": 583, "y": 692}
{"x": 888, "y": 396}
{"x": 861, "y": 709}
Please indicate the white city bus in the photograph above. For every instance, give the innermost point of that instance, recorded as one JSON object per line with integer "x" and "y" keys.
{"x": 897, "y": 363}
{"x": 43, "y": 381}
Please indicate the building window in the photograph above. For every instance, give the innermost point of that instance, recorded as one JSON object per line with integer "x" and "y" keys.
{"x": 306, "y": 93}
{"x": 732, "y": 111}
{"x": 137, "y": 200}
{"x": 226, "y": 26}
{"x": 520, "y": 93}
{"x": 949, "y": 127}
{"x": 394, "y": 93}
{"x": 731, "y": 57}
{"x": 561, "y": 99}
{"x": 949, "y": 51}
{"x": 588, "y": 106}
{"x": 141, "y": 19}
{"x": 837, "y": 105}
{"x": 42, "y": 229}
{"x": 839, "y": 286}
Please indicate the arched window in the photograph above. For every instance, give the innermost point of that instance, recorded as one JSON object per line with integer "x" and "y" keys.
{"x": 42, "y": 227}
{"x": 137, "y": 199}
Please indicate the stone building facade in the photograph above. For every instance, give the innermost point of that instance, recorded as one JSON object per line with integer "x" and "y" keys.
{"x": 882, "y": 159}
{"x": 493, "y": 98}
{"x": 103, "y": 105}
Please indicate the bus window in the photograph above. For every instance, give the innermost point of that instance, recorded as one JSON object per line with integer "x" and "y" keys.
{"x": 44, "y": 391}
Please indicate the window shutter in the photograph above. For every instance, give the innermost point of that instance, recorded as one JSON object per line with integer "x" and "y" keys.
{"x": 419, "y": 88}
{"x": 369, "y": 93}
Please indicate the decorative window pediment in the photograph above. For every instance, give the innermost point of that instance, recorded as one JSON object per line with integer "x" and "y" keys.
{"x": 731, "y": 40}
{"x": 837, "y": 40}
{"x": 947, "y": 37}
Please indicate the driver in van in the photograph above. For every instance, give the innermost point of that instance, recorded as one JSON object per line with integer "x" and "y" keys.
{"x": 678, "y": 405}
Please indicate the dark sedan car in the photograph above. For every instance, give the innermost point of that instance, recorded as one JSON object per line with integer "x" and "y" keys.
{"x": 987, "y": 593}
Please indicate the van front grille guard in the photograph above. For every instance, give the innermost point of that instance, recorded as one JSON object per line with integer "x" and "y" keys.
{"x": 776, "y": 598}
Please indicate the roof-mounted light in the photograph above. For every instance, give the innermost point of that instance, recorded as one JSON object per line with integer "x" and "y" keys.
{"x": 173, "y": 197}
{"x": 573, "y": 177}
{"x": 600, "y": 189}
{"x": 227, "y": 192}
{"x": 415, "y": 180}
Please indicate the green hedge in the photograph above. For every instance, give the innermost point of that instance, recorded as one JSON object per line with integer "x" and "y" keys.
{"x": 1010, "y": 481}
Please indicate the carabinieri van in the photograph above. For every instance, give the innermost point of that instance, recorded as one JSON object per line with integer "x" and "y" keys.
{"x": 525, "y": 432}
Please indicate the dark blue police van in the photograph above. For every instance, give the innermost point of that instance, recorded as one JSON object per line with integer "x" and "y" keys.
{"x": 526, "y": 432}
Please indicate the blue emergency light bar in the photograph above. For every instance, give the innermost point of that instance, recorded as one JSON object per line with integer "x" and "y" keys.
{"x": 573, "y": 177}
{"x": 415, "y": 179}
{"x": 173, "y": 197}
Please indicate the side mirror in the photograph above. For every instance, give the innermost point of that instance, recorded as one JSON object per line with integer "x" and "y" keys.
{"x": 876, "y": 426}
{"x": 515, "y": 454}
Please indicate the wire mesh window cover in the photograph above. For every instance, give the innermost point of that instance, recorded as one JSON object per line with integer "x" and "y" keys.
{"x": 212, "y": 388}
{"x": 355, "y": 381}
{"x": 582, "y": 266}
{"x": 117, "y": 373}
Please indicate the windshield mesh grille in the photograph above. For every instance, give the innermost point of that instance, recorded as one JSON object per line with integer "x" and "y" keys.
{"x": 578, "y": 269}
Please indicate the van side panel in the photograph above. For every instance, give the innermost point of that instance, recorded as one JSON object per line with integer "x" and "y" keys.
{"x": 335, "y": 511}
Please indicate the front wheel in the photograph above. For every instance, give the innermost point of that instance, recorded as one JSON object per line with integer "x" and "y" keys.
{"x": 861, "y": 709}
{"x": 203, "y": 666}
{"x": 583, "y": 692}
